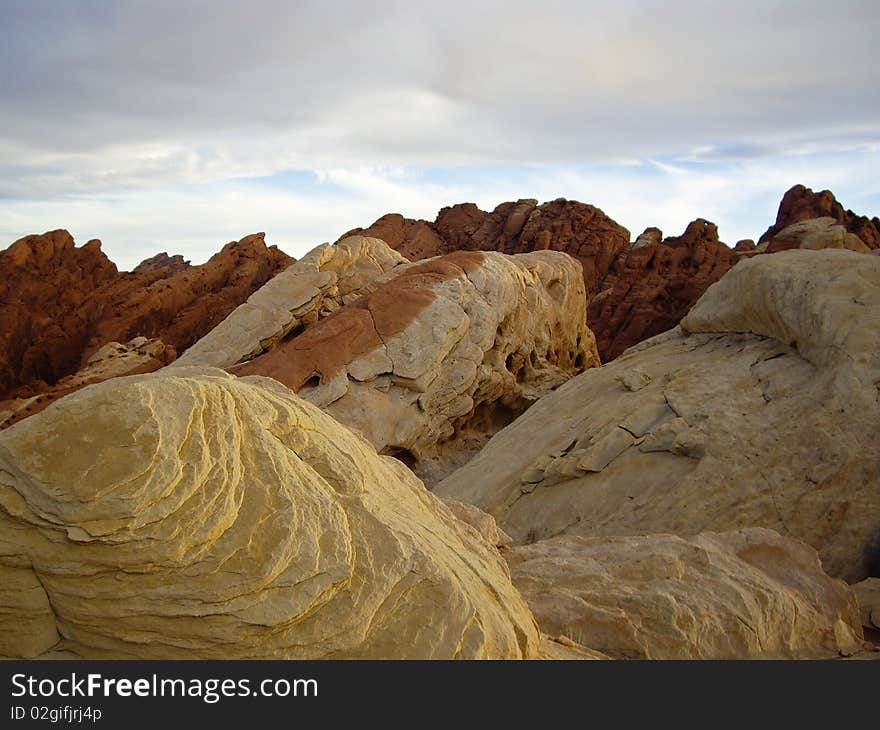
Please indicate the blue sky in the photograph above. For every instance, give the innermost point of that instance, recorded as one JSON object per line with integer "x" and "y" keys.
{"x": 178, "y": 127}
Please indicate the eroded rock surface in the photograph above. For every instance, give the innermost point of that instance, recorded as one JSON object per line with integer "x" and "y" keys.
{"x": 801, "y": 204}
{"x": 314, "y": 287}
{"x": 761, "y": 410}
{"x": 114, "y": 360}
{"x": 735, "y": 595}
{"x": 191, "y": 514}
{"x": 59, "y": 304}
{"x": 443, "y": 354}
{"x": 653, "y": 284}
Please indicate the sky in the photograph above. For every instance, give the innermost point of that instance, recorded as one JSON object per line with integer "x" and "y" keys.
{"x": 180, "y": 126}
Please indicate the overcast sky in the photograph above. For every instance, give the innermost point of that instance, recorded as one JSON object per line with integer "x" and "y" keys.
{"x": 182, "y": 125}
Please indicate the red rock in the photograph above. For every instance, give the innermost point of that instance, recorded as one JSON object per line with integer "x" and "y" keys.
{"x": 581, "y": 230}
{"x": 651, "y": 287}
{"x": 162, "y": 262}
{"x": 60, "y": 303}
{"x": 800, "y": 203}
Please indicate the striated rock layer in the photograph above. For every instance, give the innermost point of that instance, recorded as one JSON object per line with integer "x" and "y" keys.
{"x": 314, "y": 287}
{"x": 750, "y": 594}
{"x": 761, "y": 410}
{"x": 800, "y": 204}
{"x": 191, "y": 514}
{"x": 441, "y": 355}
{"x": 59, "y": 304}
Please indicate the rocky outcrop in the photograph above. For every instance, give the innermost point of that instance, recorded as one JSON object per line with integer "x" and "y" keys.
{"x": 813, "y": 234}
{"x": 580, "y": 230}
{"x": 59, "y": 304}
{"x": 801, "y": 204}
{"x": 162, "y": 262}
{"x": 868, "y": 594}
{"x": 761, "y": 410}
{"x": 750, "y": 594}
{"x": 653, "y": 284}
{"x": 191, "y": 514}
{"x": 314, "y": 287}
{"x": 413, "y": 239}
{"x": 114, "y": 360}
{"x": 443, "y": 354}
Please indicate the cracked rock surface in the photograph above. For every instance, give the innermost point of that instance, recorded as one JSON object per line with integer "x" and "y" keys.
{"x": 312, "y": 288}
{"x": 749, "y": 594}
{"x": 761, "y": 410}
{"x": 191, "y": 514}
{"x": 441, "y": 354}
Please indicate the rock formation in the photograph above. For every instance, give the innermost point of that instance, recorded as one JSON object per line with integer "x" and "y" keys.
{"x": 800, "y": 204}
{"x": 634, "y": 291}
{"x": 441, "y": 355}
{"x": 59, "y": 304}
{"x": 191, "y": 514}
{"x": 868, "y": 594}
{"x": 114, "y": 360}
{"x": 761, "y": 410}
{"x": 315, "y": 286}
{"x": 813, "y": 234}
{"x": 653, "y": 284}
{"x": 750, "y": 594}
{"x": 577, "y": 229}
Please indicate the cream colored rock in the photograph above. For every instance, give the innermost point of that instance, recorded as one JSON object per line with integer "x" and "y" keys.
{"x": 868, "y": 593}
{"x": 309, "y": 289}
{"x": 483, "y": 523}
{"x": 816, "y": 234}
{"x": 562, "y": 648}
{"x": 191, "y": 514}
{"x": 736, "y": 595}
{"x": 441, "y": 356}
{"x": 762, "y": 411}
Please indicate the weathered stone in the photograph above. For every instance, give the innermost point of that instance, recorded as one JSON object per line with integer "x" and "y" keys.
{"x": 312, "y": 288}
{"x": 735, "y": 595}
{"x": 442, "y": 355}
{"x": 760, "y": 410}
{"x": 191, "y": 514}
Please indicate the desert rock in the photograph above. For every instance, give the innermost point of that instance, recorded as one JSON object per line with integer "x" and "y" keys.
{"x": 800, "y": 204}
{"x": 761, "y": 410}
{"x": 191, "y": 514}
{"x": 315, "y": 286}
{"x": 748, "y": 594}
{"x": 59, "y": 303}
{"x": 443, "y": 354}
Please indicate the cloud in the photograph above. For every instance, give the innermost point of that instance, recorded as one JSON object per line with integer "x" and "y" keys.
{"x": 128, "y": 117}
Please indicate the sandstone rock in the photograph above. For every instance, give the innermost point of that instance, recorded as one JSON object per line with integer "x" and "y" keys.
{"x": 653, "y": 285}
{"x": 315, "y": 286}
{"x": 800, "y": 204}
{"x": 580, "y": 230}
{"x": 442, "y": 355}
{"x": 59, "y": 304}
{"x": 761, "y": 410}
{"x": 191, "y": 514}
{"x": 413, "y": 239}
{"x": 735, "y": 595}
{"x": 562, "y": 648}
{"x": 114, "y": 360}
{"x": 868, "y": 594}
{"x": 483, "y": 523}
{"x": 815, "y": 234}
{"x": 162, "y": 262}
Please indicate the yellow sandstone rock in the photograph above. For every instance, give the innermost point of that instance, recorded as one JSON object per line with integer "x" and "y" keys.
{"x": 192, "y": 514}
{"x": 735, "y": 595}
